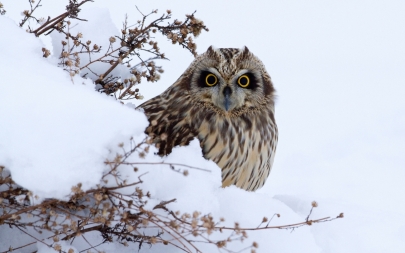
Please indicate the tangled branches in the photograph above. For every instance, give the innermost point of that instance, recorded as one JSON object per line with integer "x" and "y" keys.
{"x": 115, "y": 209}
{"x": 136, "y": 41}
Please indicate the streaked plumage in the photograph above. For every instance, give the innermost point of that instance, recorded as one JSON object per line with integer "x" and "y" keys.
{"x": 235, "y": 125}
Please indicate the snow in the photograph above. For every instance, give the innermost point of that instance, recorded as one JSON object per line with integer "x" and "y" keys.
{"x": 339, "y": 73}
{"x": 48, "y": 122}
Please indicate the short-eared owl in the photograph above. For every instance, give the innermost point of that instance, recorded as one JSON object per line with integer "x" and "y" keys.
{"x": 225, "y": 99}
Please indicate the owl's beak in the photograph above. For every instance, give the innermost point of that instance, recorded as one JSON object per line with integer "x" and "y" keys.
{"x": 227, "y": 94}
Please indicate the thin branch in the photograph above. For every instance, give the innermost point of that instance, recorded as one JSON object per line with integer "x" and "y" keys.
{"x": 25, "y": 210}
{"x": 28, "y": 15}
{"x": 161, "y": 163}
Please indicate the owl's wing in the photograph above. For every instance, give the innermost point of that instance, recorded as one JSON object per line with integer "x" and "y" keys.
{"x": 169, "y": 124}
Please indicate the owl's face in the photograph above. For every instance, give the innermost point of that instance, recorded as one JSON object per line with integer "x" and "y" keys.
{"x": 229, "y": 80}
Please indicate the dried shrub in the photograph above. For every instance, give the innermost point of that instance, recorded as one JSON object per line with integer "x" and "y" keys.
{"x": 120, "y": 217}
{"x": 134, "y": 43}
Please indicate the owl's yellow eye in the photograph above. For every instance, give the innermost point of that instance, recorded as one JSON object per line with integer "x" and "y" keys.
{"x": 211, "y": 80}
{"x": 243, "y": 81}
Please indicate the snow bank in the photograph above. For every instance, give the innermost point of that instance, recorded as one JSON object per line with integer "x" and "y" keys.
{"x": 55, "y": 132}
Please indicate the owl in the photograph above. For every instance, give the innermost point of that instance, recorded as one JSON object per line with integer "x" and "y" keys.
{"x": 225, "y": 99}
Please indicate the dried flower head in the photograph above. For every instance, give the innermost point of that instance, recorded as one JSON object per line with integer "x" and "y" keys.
{"x": 57, "y": 247}
{"x": 46, "y": 52}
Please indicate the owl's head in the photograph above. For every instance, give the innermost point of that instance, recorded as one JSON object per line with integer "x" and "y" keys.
{"x": 230, "y": 81}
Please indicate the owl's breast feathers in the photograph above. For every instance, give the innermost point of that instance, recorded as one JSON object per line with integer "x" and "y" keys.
{"x": 243, "y": 146}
